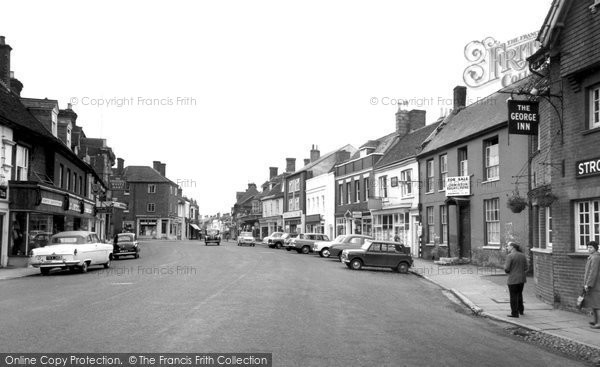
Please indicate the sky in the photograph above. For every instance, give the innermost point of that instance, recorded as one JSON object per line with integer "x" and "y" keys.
{"x": 222, "y": 90}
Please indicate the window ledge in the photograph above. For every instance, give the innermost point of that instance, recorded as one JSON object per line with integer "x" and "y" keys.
{"x": 490, "y": 181}
{"x": 430, "y": 244}
{"x": 578, "y": 254}
{"x": 430, "y": 192}
{"x": 491, "y": 247}
{"x": 547, "y": 251}
{"x": 591, "y": 131}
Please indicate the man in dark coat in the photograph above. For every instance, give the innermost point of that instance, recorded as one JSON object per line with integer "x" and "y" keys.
{"x": 516, "y": 268}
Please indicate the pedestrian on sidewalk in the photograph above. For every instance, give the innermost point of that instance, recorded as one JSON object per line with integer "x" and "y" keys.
{"x": 591, "y": 283}
{"x": 516, "y": 268}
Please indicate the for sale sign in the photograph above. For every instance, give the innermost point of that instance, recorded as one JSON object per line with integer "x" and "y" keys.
{"x": 458, "y": 186}
{"x": 523, "y": 117}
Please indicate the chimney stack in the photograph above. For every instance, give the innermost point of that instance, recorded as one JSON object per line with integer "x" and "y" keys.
{"x": 416, "y": 119}
{"x": 460, "y": 97}
{"x": 5, "y": 62}
{"x": 251, "y": 186}
{"x": 402, "y": 122}
{"x": 290, "y": 165}
{"x": 306, "y": 161}
{"x": 160, "y": 167}
{"x": 272, "y": 172}
{"x": 314, "y": 153}
{"x": 15, "y": 85}
{"x": 120, "y": 162}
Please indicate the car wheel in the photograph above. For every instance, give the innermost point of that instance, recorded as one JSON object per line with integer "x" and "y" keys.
{"x": 356, "y": 264}
{"x": 45, "y": 271}
{"x": 278, "y": 245}
{"x": 402, "y": 268}
{"x": 305, "y": 250}
{"x": 107, "y": 265}
{"x": 218, "y": 243}
{"x": 83, "y": 268}
{"x": 137, "y": 255}
{"x": 288, "y": 249}
{"x": 325, "y": 252}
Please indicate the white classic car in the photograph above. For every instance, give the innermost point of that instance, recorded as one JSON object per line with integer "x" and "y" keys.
{"x": 71, "y": 250}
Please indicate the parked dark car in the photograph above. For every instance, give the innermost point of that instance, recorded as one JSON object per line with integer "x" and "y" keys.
{"x": 304, "y": 242}
{"x": 40, "y": 240}
{"x": 212, "y": 236}
{"x": 380, "y": 254}
{"x": 348, "y": 242}
{"x": 125, "y": 244}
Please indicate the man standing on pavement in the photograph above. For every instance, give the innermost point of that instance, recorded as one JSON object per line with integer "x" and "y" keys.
{"x": 516, "y": 268}
{"x": 592, "y": 283}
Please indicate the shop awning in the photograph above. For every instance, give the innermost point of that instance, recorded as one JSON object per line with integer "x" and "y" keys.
{"x": 195, "y": 226}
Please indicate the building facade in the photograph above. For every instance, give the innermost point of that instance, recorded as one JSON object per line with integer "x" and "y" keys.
{"x": 565, "y": 187}
{"x": 469, "y": 168}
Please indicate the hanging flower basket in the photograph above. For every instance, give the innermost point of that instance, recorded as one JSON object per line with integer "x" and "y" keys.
{"x": 546, "y": 199}
{"x": 516, "y": 204}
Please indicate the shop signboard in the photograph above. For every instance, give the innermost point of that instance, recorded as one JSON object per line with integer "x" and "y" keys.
{"x": 523, "y": 117}
{"x": 458, "y": 186}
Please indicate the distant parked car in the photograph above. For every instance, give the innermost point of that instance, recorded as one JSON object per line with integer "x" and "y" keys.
{"x": 212, "y": 236}
{"x": 245, "y": 238}
{"x": 71, "y": 250}
{"x": 304, "y": 242}
{"x": 322, "y": 247}
{"x": 277, "y": 239}
{"x": 126, "y": 245}
{"x": 380, "y": 254}
{"x": 349, "y": 241}
{"x": 40, "y": 240}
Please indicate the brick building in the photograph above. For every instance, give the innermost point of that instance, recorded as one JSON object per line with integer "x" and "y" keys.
{"x": 51, "y": 188}
{"x": 272, "y": 203}
{"x": 295, "y": 219}
{"x": 472, "y": 147}
{"x": 151, "y": 198}
{"x": 566, "y": 161}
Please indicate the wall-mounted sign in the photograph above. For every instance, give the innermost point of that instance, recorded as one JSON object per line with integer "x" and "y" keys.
{"x": 293, "y": 214}
{"x": 52, "y": 202}
{"x": 356, "y": 214}
{"x": 588, "y": 167}
{"x": 523, "y": 117}
{"x": 458, "y": 186}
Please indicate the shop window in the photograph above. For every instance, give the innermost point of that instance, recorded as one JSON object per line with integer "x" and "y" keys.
{"x": 492, "y": 221}
{"x": 587, "y": 223}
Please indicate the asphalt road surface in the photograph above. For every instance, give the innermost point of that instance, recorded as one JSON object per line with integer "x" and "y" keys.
{"x": 306, "y": 310}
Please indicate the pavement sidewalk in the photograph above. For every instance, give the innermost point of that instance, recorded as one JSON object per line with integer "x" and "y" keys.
{"x": 17, "y": 272}
{"x": 484, "y": 290}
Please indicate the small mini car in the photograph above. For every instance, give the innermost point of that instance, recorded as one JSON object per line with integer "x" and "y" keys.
{"x": 125, "y": 244}
{"x": 380, "y": 254}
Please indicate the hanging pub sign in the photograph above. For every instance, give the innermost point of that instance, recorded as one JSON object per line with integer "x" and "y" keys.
{"x": 523, "y": 117}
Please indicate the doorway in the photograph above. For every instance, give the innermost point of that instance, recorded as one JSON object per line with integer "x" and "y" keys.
{"x": 464, "y": 231}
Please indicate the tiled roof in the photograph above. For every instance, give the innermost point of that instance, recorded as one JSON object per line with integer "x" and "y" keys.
{"x": 485, "y": 114}
{"x": 144, "y": 174}
{"x": 383, "y": 144}
{"x": 408, "y": 146}
{"x": 325, "y": 162}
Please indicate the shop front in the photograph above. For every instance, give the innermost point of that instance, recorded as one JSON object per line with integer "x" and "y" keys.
{"x": 315, "y": 223}
{"x": 292, "y": 222}
{"x": 37, "y": 212}
{"x": 269, "y": 225}
{"x": 356, "y": 222}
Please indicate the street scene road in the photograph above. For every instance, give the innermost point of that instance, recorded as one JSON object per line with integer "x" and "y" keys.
{"x": 183, "y": 296}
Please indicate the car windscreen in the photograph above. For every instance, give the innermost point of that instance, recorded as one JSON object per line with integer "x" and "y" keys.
{"x": 68, "y": 240}
{"x": 276, "y": 235}
{"x": 365, "y": 246}
{"x": 212, "y": 232}
{"x": 339, "y": 238}
{"x": 125, "y": 238}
